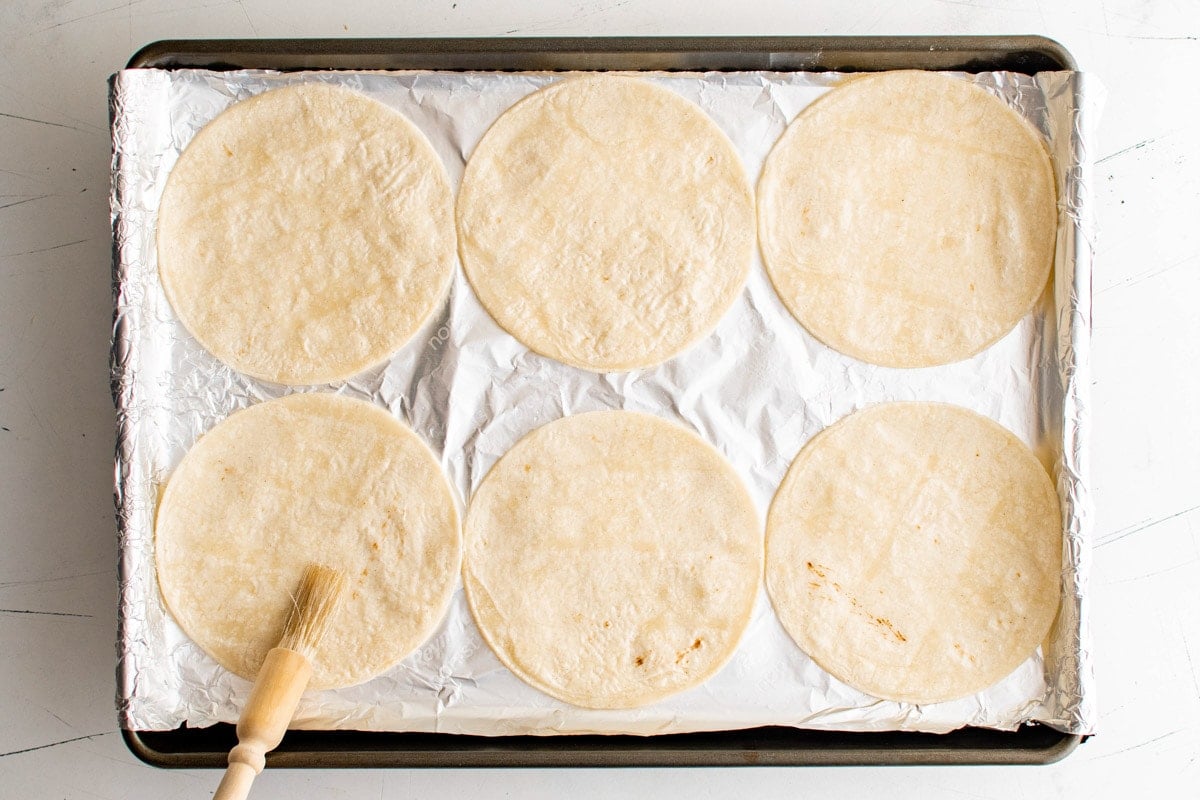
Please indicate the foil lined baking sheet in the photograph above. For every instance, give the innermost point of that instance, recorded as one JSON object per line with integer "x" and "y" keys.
{"x": 757, "y": 388}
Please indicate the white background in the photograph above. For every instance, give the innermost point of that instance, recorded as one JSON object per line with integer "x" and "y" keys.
{"x": 58, "y": 735}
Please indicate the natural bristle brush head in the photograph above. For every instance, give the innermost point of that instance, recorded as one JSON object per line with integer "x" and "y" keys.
{"x": 316, "y": 601}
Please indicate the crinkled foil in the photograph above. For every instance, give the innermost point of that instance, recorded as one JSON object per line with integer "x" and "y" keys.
{"x": 757, "y": 388}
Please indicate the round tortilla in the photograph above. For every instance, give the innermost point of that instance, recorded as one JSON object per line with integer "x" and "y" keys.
{"x": 606, "y": 222}
{"x": 914, "y": 551}
{"x": 306, "y": 234}
{"x": 308, "y": 478}
{"x": 612, "y": 559}
{"x": 908, "y": 219}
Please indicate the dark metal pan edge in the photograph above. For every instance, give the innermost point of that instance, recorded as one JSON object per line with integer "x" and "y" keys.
{"x": 207, "y": 747}
{"x": 1026, "y": 54}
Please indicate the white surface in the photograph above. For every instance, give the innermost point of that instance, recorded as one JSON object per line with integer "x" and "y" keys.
{"x": 57, "y": 578}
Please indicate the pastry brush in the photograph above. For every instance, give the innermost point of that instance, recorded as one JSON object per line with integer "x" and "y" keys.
{"x": 281, "y": 680}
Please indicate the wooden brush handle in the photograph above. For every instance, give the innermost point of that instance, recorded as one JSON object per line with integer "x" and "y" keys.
{"x": 265, "y": 719}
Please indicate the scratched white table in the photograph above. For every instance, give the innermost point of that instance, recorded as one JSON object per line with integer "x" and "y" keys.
{"x": 58, "y": 734}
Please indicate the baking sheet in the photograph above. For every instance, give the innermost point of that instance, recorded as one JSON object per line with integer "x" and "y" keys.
{"x": 757, "y": 388}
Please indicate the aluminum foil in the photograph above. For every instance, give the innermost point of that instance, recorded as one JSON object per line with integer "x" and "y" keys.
{"x": 757, "y": 388}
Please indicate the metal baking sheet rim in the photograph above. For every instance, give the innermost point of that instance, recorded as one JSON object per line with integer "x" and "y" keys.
{"x": 1033, "y": 744}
